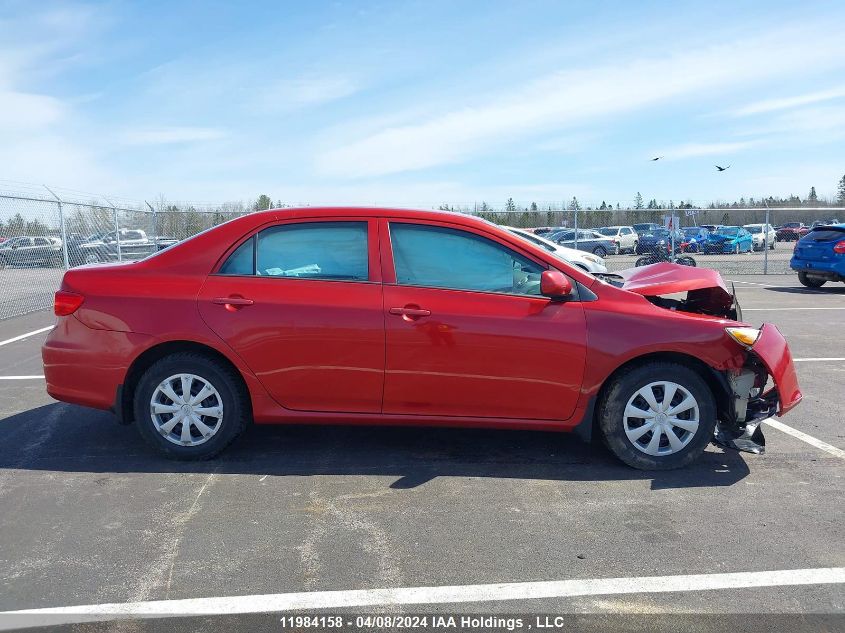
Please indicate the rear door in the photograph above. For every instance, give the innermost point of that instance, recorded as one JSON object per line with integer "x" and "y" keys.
{"x": 468, "y": 333}
{"x": 301, "y": 303}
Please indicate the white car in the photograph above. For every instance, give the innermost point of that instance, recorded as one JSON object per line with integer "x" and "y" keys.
{"x": 585, "y": 261}
{"x": 625, "y": 237}
{"x": 758, "y": 235}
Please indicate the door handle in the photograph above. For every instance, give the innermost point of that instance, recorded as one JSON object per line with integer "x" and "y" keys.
{"x": 410, "y": 312}
{"x": 232, "y": 303}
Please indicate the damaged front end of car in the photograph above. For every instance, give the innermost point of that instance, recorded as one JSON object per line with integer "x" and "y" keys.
{"x": 763, "y": 386}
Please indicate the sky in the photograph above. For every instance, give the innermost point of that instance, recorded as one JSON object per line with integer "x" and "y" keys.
{"x": 423, "y": 103}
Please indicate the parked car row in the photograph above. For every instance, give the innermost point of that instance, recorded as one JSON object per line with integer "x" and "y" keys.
{"x": 100, "y": 247}
{"x": 647, "y": 238}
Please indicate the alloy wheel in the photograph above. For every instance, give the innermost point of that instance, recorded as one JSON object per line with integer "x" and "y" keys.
{"x": 661, "y": 418}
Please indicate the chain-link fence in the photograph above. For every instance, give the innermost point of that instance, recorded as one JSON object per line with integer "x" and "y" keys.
{"x": 42, "y": 235}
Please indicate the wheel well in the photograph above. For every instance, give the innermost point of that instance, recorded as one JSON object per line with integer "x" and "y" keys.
{"x": 715, "y": 380}
{"x": 150, "y": 356}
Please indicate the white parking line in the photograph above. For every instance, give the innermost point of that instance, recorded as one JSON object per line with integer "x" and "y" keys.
{"x": 27, "y": 335}
{"x": 809, "y": 439}
{"x": 21, "y": 377}
{"x": 786, "y": 309}
{"x": 816, "y": 360}
{"x": 270, "y": 603}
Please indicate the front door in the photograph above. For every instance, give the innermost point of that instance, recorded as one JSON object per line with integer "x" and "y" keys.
{"x": 468, "y": 333}
{"x": 301, "y": 303}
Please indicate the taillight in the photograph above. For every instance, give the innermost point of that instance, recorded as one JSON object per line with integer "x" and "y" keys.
{"x": 839, "y": 247}
{"x": 66, "y": 303}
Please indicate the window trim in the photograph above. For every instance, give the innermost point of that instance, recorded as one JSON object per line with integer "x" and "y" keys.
{"x": 373, "y": 265}
{"x": 389, "y": 264}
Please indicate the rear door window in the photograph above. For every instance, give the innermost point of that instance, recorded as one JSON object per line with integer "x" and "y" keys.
{"x": 825, "y": 235}
{"x": 307, "y": 250}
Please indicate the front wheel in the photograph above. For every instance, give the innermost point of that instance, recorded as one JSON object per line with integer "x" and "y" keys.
{"x": 190, "y": 407}
{"x": 658, "y": 416}
{"x": 685, "y": 261}
{"x": 646, "y": 260}
{"x": 810, "y": 282}
{"x": 600, "y": 251}
{"x": 772, "y": 246}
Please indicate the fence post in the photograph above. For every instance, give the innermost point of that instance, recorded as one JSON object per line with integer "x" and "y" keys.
{"x": 766, "y": 244}
{"x": 155, "y": 224}
{"x": 61, "y": 227}
{"x": 575, "y": 211}
{"x": 116, "y": 230}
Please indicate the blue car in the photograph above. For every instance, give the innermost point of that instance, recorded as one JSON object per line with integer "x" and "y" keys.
{"x": 819, "y": 256}
{"x": 728, "y": 239}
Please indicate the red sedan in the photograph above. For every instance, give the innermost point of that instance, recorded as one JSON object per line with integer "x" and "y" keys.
{"x": 381, "y": 316}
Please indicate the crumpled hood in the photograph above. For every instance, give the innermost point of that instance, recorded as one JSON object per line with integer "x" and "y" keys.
{"x": 665, "y": 278}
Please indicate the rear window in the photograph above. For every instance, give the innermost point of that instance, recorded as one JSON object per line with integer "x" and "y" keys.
{"x": 824, "y": 235}
{"x": 608, "y": 231}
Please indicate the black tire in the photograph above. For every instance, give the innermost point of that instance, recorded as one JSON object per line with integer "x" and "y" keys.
{"x": 772, "y": 245}
{"x": 810, "y": 282}
{"x": 686, "y": 261}
{"x": 235, "y": 400}
{"x": 645, "y": 260}
{"x": 636, "y": 246}
{"x": 615, "y": 397}
{"x": 3, "y": 263}
{"x": 600, "y": 251}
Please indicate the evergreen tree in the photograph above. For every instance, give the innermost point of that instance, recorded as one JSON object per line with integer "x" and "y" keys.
{"x": 638, "y": 201}
{"x": 533, "y": 206}
{"x": 510, "y": 206}
{"x": 573, "y": 204}
{"x": 263, "y": 203}
{"x": 603, "y": 206}
{"x": 840, "y": 192}
{"x": 812, "y": 198}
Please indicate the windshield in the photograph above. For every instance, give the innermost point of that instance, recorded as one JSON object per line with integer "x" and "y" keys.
{"x": 643, "y": 227}
{"x": 754, "y": 228}
{"x": 730, "y": 231}
{"x": 657, "y": 233}
{"x": 608, "y": 231}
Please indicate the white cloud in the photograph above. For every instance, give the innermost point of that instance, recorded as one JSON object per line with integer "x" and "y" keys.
{"x": 306, "y": 91}
{"x": 771, "y": 105}
{"x": 169, "y": 135}
{"x": 571, "y": 98}
{"x": 21, "y": 112}
{"x": 692, "y": 150}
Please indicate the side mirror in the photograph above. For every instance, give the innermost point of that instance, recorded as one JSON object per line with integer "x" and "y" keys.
{"x": 555, "y": 284}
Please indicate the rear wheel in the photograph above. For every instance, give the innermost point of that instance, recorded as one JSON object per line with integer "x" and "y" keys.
{"x": 190, "y": 407}
{"x": 645, "y": 261}
{"x": 657, "y": 416}
{"x": 810, "y": 282}
{"x": 600, "y": 251}
{"x": 685, "y": 261}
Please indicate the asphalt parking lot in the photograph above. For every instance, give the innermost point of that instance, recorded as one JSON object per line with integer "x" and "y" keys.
{"x": 89, "y": 515}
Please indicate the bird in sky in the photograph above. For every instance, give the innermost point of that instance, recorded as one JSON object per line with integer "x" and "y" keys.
{"x": 656, "y": 158}
{"x": 722, "y": 168}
